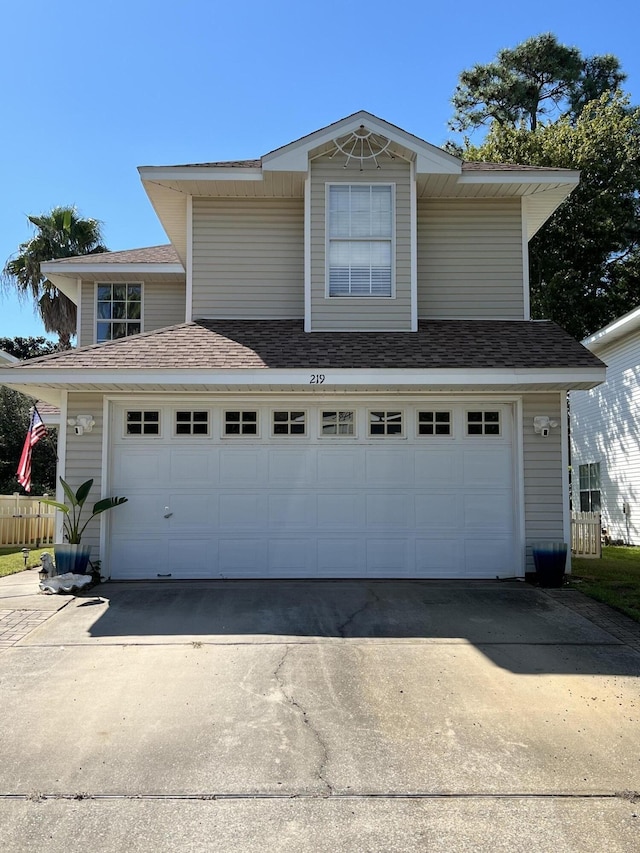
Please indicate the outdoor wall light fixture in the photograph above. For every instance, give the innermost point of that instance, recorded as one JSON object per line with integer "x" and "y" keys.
{"x": 82, "y": 423}
{"x": 542, "y": 425}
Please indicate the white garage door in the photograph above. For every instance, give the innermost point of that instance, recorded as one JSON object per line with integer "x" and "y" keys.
{"x": 333, "y": 490}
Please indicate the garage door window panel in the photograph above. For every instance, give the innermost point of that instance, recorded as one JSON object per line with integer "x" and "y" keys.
{"x": 289, "y": 422}
{"x": 142, "y": 422}
{"x": 483, "y": 423}
{"x": 434, "y": 423}
{"x": 338, "y": 423}
{"x": 385, "y": 423}
{"x": 239, "y": 423}
{"x": 192, "y": 423}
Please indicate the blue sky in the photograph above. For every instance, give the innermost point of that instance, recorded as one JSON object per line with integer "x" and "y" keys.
{"x": 91, "y": 91}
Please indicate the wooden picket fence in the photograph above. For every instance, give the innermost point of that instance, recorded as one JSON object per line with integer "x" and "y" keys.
{"x": 26, "y": 521}
{"x": 586, "y": 534}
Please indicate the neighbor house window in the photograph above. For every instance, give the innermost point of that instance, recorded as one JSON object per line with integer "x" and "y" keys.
{"x": 385, "y": 423}
{"x": 118, "y": 311}
{"x": 589, "y": 487}
{"x": 483, "y": 423}
{"x": 360, "y": 239}
{"x": 240, "y": 423}
{"x": 142, "y": 422}
{"x": 338, "y": 423}
{"x": 289, "y": 423}
{"x": 192, "y": 423}
{"x": 434, "y": 423}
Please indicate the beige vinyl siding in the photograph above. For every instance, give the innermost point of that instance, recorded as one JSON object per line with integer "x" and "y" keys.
{"x": 470, "y": 259}
{"x": 84, "y": 457}
{"x": 353, "y": 313}
{"x": 163, "y": 303}
{"x": 248, "y": 258}
{"x": 543, "y": 499}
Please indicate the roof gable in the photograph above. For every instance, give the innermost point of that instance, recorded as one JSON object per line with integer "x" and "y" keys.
{"x": 294, "y": 157}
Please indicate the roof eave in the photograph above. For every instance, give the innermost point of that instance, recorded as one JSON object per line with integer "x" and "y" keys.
{"x": 339, "y": 379}
{"x": 620, "y": 328}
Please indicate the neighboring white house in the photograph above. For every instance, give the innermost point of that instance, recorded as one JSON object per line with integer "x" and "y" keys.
{"x": 331, "y": 371}
{"x": 605, "y": 433}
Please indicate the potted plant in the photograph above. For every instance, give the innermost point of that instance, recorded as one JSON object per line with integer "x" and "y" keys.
{"x": 74, "y": 556}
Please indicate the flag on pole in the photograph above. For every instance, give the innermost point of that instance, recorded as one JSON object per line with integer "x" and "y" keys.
{"x": 37, "y": 430}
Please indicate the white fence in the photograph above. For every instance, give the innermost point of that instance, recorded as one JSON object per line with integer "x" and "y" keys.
{"x": 25, "y": 520}
{"x": 586, "y": 534}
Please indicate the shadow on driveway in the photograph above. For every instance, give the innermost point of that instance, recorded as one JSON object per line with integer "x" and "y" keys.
{"x": 518, "y": 627}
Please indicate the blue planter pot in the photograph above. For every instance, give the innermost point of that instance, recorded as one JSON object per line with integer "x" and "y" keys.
{"x": 72, "y": 558}
{"x": 550, "y": 559}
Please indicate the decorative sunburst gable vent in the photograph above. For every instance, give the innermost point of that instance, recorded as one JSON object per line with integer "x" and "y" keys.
{"x": 362, "y": 146}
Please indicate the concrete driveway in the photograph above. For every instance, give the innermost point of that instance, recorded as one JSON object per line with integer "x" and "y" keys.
{"x": 319, "y": 716}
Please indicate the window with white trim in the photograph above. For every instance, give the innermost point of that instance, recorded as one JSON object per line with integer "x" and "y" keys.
{"x": 360, "y": 239}
{"x": 434, "y": 423}
{"x": 338, "y": 423}
{"x": 240, "y": 423}
{"x": 483, "y": 423}
{"x": 289, "y": 423}
{"x": 385, "y": 423}
{"x": 192, "y": 423}
{"x": 118, "y": 311}
{"x": 589, "y": 476}
{"x": 139, "y": 422}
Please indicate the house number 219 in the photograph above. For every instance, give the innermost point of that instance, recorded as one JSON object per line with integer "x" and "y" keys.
{"x": 316, "y": 379}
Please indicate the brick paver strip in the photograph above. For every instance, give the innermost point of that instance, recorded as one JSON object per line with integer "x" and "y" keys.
{"x": 16, "y": 624}
{"x": 617, "y": 624}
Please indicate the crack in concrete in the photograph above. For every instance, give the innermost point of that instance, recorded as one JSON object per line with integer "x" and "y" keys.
{"x": 324, "y": 752}
{"x": 372, "y": 598}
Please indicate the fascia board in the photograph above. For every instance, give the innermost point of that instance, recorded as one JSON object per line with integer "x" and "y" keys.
{"x": 339, "y": 377}
{"x": 294, "y": 156}
{"x": 625, "y": 325}
{"x": 53, "y": 270}
{"x": 158, "y": 174}
{"x": 568, "y": 177}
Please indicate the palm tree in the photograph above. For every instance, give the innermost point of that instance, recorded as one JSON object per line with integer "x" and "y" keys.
{"x": 62, "y": 233}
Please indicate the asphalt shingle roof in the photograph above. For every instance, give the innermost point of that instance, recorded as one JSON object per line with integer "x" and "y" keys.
{"x": 283, "y": 344}
{"x": 148, "y": 255}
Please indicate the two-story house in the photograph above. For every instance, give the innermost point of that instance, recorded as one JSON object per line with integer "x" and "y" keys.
{"x": 331, "y": 371}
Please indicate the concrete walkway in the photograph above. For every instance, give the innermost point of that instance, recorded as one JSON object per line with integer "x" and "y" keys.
{"x": 320, "y": 716}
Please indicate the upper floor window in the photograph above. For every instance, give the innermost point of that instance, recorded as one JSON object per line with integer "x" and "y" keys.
{"x": 360, "y": 239}
{"x": 118, "y": 311}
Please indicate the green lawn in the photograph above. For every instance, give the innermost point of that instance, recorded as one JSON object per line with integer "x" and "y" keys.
{"x": 12, "y": 561}
{"x": 614, "y": 579}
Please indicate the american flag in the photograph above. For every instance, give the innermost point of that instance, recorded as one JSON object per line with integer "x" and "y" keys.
{"x": 37, "y": 430}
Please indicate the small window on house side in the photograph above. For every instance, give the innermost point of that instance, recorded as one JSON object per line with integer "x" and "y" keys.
{"x": 483, "y": 423}
{"x": 289, "y": 423}
{"x": 434, "y": 423}
{"x": 360, "y": 240}
{"x": 589, "y": 476}
{"x": 338, "y": 423}
{"x": 118, "y": 311}
{"x": 192, "y": 423}
{"x": 385, "y": 423}
{"x": 142, "y": 422}
{"x": 240, "y": 423}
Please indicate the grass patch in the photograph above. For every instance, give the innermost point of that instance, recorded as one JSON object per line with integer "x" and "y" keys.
{"x": 614, "y": 579}
{"x": 12, "y": 561}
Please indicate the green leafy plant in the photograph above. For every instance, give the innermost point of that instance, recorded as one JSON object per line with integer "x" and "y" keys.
{"x": 73, "y": 524}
